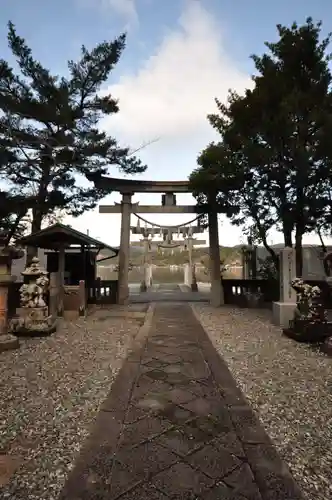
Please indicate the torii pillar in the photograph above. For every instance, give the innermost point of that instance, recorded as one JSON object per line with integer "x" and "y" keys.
{"x": 123, "y": 287}
{"x": 217, "y": 292}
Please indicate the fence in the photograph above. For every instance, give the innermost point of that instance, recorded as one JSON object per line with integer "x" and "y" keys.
{"x": 236, "y": 291}
{"x": 103, "y": 292}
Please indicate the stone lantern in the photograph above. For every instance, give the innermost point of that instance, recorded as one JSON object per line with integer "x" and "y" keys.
{"x": 7, "y": 255}
{"x": 33, "y": 315}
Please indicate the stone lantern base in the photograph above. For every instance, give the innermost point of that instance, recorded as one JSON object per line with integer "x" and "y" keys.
{"x": 7, "y": 254}
{"x": 8, "y": 342}
{"x": 33, "y": 321}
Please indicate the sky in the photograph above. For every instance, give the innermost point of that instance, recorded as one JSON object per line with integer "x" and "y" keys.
{"x": 180, "y": 56}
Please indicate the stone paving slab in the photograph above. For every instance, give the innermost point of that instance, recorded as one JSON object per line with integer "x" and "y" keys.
{"x": 176, "y": 426}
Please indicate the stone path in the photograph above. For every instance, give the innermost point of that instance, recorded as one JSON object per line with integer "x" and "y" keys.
{"x": 169, "y": 292}
{"x": 175, "y": 426}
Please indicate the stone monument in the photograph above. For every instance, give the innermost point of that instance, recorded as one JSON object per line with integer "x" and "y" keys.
{"x": 283, "y": 310}
{"x": 249, "y": 261}
{"x": 145, "y": 284}
{"x": 7, "y": 254}
{"x": 33, "y": 314}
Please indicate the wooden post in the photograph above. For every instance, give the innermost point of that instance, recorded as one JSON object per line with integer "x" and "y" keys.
{"x": 54, "y": 294}
{"x": 61, "y": 271}
{"x": 82, "y": 297}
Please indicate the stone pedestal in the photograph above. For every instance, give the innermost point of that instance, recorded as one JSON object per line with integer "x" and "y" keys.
{"x": 283, "y": 310}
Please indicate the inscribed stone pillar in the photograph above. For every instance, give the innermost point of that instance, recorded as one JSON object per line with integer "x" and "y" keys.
{"x": 145, "y": 282}
{"x": 123, "y": 290}
{"x": 217, "y": 295}
{"x": 287, "y": 274}
{"x": 283, "y": 310}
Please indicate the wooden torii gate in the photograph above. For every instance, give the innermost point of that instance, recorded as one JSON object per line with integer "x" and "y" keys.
{"x": 127, "y": 188}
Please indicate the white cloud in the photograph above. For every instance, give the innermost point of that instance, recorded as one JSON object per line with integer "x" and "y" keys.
{"x": 125, "y": 8}
{"x": 169, "y": 97}
{"x": 174, "y": 90}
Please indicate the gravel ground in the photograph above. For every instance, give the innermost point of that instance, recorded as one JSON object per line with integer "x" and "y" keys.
{"x": 288, "y": 384}
{"x": 50, "y": 392}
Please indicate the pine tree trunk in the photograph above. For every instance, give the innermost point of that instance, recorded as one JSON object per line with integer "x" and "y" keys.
{"x": 298, "y": 252}
{"x": 35, "y": 226}
{"x": 287, "y": 236}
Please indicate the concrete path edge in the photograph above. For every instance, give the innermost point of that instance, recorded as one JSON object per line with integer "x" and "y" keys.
{"x": 271, "y": 473}
{"x": 118, "y": 397}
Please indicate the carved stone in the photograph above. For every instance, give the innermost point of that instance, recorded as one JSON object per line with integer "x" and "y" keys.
{"x": 33, "y": 315}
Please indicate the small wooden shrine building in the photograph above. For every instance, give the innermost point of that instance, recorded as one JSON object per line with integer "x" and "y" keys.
{"x": 69, "y": 251}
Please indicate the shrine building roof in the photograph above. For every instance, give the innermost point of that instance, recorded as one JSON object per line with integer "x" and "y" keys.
{"x": 57, "y": 235}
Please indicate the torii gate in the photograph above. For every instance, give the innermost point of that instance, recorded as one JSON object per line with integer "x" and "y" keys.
{"x": 127, "y": 188}
{"x": 166, "y": 242}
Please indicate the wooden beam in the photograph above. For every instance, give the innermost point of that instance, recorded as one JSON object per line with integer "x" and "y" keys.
{"x": 150, "y": 209}
{"x": 139, "y": 186}
{"x": 165, "y": 230}
{"x": 180, "y": 242}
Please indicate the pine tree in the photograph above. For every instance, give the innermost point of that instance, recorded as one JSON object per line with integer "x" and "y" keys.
{"x": 50, "y": 138}
{"x": 273, "y": 164}
{"x": 13, "y": 209}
